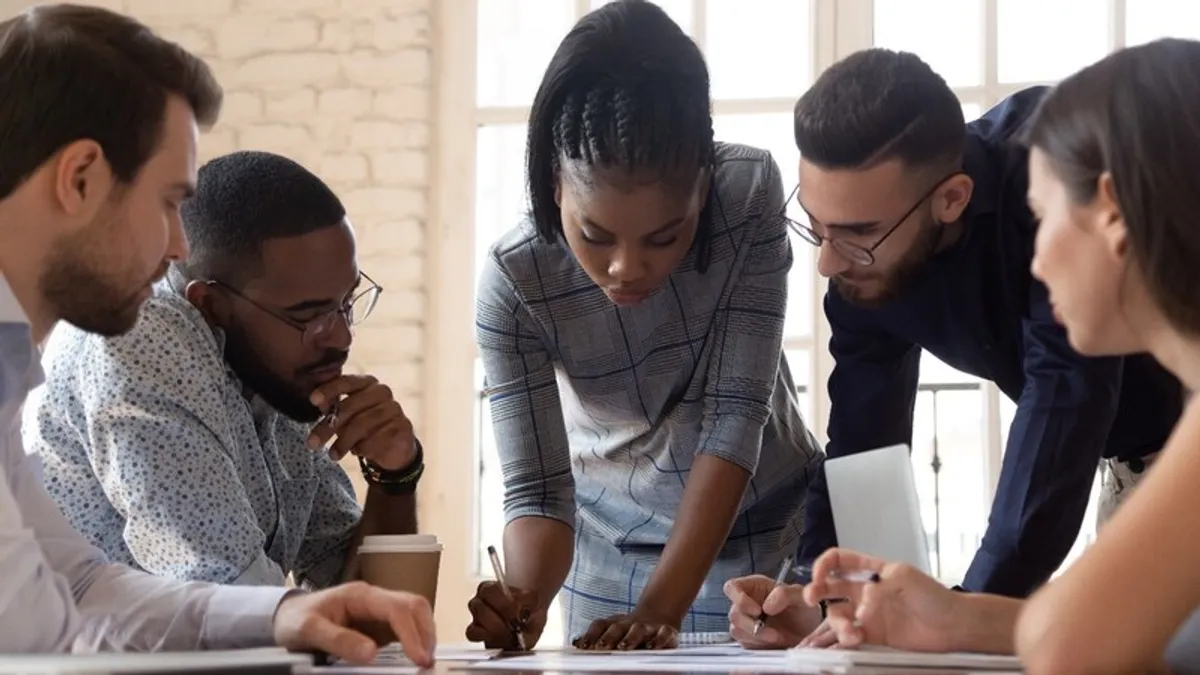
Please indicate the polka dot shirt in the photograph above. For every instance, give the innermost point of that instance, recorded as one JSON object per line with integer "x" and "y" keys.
{"x": 153, "y": 453}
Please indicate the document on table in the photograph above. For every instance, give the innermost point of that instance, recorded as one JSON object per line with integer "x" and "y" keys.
{"x": 883, "y": 656}
{"x": 698, "y": 659}
{"x": 391, "y": 659}
{"x": 265, "y": 660}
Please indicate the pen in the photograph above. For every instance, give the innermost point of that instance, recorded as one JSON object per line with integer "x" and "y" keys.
{"x": 855, "y": 576}
{"x": 779, "y": 579}
{"x": 516, "y": 628}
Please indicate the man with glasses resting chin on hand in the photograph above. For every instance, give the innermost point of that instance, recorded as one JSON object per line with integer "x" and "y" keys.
{"x": 927, "y": 240}
{"x": 100, "y": 152}
{"x": 194, "y": 446}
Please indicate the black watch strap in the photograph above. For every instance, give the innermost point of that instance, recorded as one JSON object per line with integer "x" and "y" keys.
{"x": 824, "y": 604}
{"x": 401, "y": 481}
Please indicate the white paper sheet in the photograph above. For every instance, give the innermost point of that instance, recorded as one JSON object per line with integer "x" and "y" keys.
{"x": 211, "y": 661}
{"x": 882, "y": 656}
{"x": 378, "y": 669}
{"x": 706, "y": 658}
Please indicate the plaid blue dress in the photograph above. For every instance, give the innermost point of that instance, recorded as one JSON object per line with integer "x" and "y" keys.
{"x": 599, "y": 411}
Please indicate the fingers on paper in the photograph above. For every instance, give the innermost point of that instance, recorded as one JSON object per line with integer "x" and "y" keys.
{"x": 822, "y": 636}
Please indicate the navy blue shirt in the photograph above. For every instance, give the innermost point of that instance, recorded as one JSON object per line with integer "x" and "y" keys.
{"x": 976, "y": 306}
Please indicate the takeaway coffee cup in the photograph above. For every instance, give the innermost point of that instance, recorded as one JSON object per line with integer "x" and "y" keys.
{"x": 407, "y": 562}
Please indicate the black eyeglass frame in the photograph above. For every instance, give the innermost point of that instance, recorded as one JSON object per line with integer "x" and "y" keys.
{"x": 856, "y": 253}
{"x": 318, "y": 326}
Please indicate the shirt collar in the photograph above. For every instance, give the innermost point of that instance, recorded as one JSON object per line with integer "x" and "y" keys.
{"x": 10, "y": 309}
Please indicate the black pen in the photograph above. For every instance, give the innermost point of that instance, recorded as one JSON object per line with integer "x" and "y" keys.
{"x": 779, "y": 579}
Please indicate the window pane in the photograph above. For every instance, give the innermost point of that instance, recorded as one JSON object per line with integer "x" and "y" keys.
{"x": 679, "y": 10}
{"x": 1033, "y": 45}
{"x": 773, "y": 131}
{"x": 950, "y": 422}
{"x": 972, "y": 111}
{"x": 1008, "y": 410}
{"x": 759, "y": 48}
{"x": 946, "y": 34}
{"x": 500, "y": 199}
{"x": 490, "y": 515}
{"x": 936, "y": 371}
{"x": 1087, "y": 531}
{"x": 515, "y": 40}
{"x": 800, "y": 363}
{"x": 1147, "y": 20}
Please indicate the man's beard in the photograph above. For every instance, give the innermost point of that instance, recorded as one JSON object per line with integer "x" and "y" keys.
{"x": 279, "y": 393}
{"x": 83, "y": 287}
{"x": 901, "y": 275}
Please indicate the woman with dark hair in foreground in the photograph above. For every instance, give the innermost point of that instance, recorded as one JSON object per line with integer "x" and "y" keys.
{"x": 1114, "y": 151}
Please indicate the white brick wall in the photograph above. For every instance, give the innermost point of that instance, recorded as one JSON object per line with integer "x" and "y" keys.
{"x": 343, "y": 87}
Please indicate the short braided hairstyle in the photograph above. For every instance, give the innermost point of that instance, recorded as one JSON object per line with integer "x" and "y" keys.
{"x": 626, "y": 90}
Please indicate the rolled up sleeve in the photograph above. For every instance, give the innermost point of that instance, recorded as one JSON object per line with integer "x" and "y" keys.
{"x": 526, "y": 411}
{"x": 749, "y": 335}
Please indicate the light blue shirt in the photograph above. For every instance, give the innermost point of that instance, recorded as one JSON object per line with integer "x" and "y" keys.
{"x": 154, "y": 453}
{"x": 57, "y": 591}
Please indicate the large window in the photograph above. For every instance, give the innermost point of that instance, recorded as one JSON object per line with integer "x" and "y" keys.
{"x": 762, "y": 54}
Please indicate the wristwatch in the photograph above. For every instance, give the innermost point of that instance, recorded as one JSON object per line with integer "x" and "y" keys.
{"x": 401, "y": 481}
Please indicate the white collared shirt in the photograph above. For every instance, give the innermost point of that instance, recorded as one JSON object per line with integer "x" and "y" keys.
{"x": 57, "y": 591}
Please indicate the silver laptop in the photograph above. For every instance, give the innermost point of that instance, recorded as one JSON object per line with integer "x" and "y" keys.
{"x": 875, "y": 505}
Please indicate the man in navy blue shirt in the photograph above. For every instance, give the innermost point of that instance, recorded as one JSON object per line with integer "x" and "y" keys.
{"x": 926, "y": 239}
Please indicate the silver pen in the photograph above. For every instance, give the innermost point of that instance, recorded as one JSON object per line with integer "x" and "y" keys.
{"x": 779, "y": 579}
{"x": 853, "y": 576}
{"x": 499, "y": 571}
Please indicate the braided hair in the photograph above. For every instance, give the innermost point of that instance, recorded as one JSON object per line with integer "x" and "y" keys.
{"x": 626, "y": 90}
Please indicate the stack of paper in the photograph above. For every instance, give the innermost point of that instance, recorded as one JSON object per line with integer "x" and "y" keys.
{"x": 266, "y": 661}
{"x": 688, "y": 659}
{"x": 883, "y": 656}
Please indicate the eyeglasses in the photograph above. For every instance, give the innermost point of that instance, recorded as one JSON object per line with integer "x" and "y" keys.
{"x": 856, "y": 253}
{"x": 354, "y": 311}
